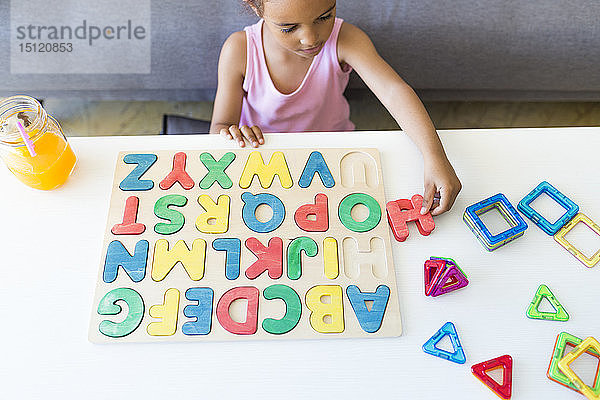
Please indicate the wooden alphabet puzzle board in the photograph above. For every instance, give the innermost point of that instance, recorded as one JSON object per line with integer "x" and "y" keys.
{"x": 246, "y": 244}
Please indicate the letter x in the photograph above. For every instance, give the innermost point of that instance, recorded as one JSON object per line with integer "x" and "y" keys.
{"x": 216, "y": 170}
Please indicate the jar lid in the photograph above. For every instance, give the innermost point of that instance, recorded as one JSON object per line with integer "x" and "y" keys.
{"x": 24, "y": 109}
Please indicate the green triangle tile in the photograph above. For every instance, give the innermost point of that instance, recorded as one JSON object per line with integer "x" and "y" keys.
{"x": 544, "y": 292}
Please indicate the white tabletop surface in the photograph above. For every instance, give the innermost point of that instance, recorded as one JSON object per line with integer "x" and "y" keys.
{"x": 51, "y": 244}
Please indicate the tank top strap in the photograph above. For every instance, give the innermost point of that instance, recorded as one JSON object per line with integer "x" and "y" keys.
{"x": 331, "y": 47}
{"x": 253, "y": 46}
{"x": 337, "y": 25}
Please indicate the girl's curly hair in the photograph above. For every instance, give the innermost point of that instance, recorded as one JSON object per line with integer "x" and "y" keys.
{"x": 256, "y": 6}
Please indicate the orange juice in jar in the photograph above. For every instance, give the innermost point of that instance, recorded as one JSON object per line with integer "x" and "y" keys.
{"x": 33, "y": 145}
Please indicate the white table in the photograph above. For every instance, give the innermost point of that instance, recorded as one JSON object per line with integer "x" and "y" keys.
{"x": 51, "y": 244}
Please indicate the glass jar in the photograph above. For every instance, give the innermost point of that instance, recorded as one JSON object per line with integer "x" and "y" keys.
{"x": 50, "y": 161}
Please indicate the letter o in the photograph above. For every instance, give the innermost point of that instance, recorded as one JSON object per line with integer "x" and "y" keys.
{"x": 348, "y": 203}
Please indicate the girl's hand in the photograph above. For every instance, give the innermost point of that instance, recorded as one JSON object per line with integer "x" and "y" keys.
{"x": 441, "y": 187}
{"x": 253, "y": 135}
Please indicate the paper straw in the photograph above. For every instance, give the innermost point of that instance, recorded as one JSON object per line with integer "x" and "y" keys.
{"x": 26, "y": 139}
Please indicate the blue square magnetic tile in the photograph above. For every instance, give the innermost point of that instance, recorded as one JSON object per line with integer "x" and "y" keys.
{"x": 550, "y": 228}
{"x": 501, "y": 202}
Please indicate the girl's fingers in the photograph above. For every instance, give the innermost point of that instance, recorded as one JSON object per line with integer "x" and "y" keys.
{"x": 428, "y": 198}
{"x": 446, "y": 201}
{"x": 259, "y": 135}
{"x": 237, "y": 135}
{"x": 225, "y": 133}
{"x": 249, "y": 134}
{"x": 436, "y": 201}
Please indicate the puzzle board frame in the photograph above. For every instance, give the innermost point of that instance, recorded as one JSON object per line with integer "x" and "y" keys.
{"x": 354, "y": 171}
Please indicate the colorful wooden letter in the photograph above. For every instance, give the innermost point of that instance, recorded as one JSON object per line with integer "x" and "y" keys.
{"x": 217, "y": 212}
{"x": 232, "y": 248}
{"x": 162, "y": 210}
{"x": 201, "y": 311}
{"x": 251, "y": 203}
{"x": 108, "y": 306}
{"x": 370, "y": 321}
{"x": 326, "y": 317}
{"x": 293, "y": 309}
{"x": 269, "y": 258}
{"x": 330, "y": 258}
{"x": 294, "y": 255}
{"x": 118, "y": 256}
{"x": 266, "y": 173}
{"x": 178, "y": 174}
{"x": 165, "y": 259}
{"x": 216, "y": 170}
{"x": 401, "y": 211}
{"x": 129, "y": 225}
{"x": 345, "y": 210}
{"x": 316, "y": 164}
{"x": 319, "y": 210}
{"x": 132, "y": 181}
{"x": 167, "y": 312}
{"x": 248, "y": 327}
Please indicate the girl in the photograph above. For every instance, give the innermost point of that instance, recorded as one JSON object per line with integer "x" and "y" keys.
{"x": 288, "y": 72}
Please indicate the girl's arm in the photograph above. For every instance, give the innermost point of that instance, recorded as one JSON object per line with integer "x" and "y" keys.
{"x": 228, "y": 101}
{"x": 356, "y": 49}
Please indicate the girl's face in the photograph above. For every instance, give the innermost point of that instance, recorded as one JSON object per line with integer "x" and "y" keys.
{"x": 300, "y": 26}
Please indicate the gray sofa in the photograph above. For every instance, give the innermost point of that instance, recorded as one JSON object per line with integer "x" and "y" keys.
{"x": 446, "y": 49}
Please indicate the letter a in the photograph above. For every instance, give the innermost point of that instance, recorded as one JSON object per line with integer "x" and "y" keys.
{"x": 369, "y": 320}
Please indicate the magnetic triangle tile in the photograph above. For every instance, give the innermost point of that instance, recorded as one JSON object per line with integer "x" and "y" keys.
{"x": 443, "y": 285}
{"x": 449, "y": 261}
{"x": 451, "y": 281}
{"x": 544, "y": 292}
{"x": 458, "y": 356}
{"x": 432, "y": 270}
{"x": 505, "y": 362}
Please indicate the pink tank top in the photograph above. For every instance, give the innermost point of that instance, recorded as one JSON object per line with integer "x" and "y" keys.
{"x": 318, "y": 104}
